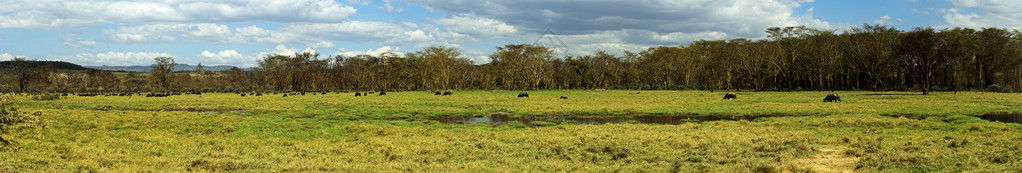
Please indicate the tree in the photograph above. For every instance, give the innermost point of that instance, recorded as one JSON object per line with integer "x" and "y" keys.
{"x": 524, "y": 65}
{"x": 163, "y": 71}
{"x": 925, "y": 52}
{"x": 28, "y": 72}
{"x": 444, "y": 64}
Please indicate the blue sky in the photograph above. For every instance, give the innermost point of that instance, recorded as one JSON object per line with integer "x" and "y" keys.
{"x": 240, "y": 32}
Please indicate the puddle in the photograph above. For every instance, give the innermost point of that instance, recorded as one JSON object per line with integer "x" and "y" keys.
{"x": 1013, "y": 117}
{"x": 499, "y": 119}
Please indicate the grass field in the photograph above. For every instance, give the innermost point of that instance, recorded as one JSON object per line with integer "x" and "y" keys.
{"x": 908, "y": 132}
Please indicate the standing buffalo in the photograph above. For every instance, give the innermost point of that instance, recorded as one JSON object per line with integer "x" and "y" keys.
{"x": 564, "y": 97}
{"x": 523, "y": 94}
{"x": 832, "y": 98}
{"x": 730, "y": 96}
{"x": 436, "y": 93}
{"x": 383, "y": 93}
{"x": 358, "y": 94}
{"x": 448, "y": 92}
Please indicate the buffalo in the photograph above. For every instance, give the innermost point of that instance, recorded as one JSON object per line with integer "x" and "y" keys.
{"x": 730, "y": 96}
{"x": 243, "y": 94}
{"x": 564, "y": 97}
{"x": 436, "y": 93}
{"x": 448, "y": 92}
{"x": 382, "y": 93}
{"x": 832, "y": 98}
{"x": 358, "y": 94}
{"x": 523, "y": 94}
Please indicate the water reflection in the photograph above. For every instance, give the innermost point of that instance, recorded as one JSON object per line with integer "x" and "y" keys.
{"x": 1013, "y": 117}
{"x": 499, "y": 119}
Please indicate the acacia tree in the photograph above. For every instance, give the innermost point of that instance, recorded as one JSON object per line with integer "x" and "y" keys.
{"x": 163, "y": 71}
{"x": 524, "y": 65}
{"x": 925, "y": 52}
{"x": 444, "y": 65}
{"x": 28, "y": 72}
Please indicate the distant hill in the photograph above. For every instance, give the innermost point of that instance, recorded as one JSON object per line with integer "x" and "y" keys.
{"x": 56, "y": 65}
{"x": 146, "y": 68}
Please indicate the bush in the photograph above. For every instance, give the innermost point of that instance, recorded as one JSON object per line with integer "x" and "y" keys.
{"x": 6, "y": 99}
{"x": 13, "y": 119}
{"x": 543, "y": 123}
{"x": 46, "y": 97}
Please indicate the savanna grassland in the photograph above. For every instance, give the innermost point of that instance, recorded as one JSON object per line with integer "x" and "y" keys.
{"x": 908, "y": 132}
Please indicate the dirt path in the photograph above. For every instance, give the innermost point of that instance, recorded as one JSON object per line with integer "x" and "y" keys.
{"x": 832, "y": 159}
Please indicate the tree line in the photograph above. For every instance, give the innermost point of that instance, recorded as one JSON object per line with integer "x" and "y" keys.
{"x": 870, "y": 57}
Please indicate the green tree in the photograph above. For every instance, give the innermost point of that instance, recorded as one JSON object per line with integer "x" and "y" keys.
{"x": 163, "y": 71}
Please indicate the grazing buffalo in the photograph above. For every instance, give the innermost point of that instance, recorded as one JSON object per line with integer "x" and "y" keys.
{"x": 447, "y": 93}
{"x": 383, "y": 93}
{"x": 243, "y": 94}
{"x": 523, "y": 94}
{"x": 437, "y": 93}
{"x": 358, "y": 94}
{"x": 285, "y": 95}
{"x": 259, "y": 94}
{"x": 730, "y": 96}
{"x": 832, "y": 98}
{"x": 564, "y": 97}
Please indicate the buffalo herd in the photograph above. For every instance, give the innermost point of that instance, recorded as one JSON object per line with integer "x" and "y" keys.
{"x": 727, "y": 96}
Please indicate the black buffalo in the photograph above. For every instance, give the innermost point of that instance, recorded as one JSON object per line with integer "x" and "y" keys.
{"x": 832, "y": 98}
{"x": 523, "y": 94}
{"x": 383, "y": 93}
{"x": 564, "y": 97}
{"x": 730, "y": 96}
{"x": 358, "y": 94}
{"x": 447, "y": 93}
{"x": 437, "y": 93}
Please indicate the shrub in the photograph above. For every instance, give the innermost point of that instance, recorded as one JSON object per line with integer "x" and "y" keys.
{"x": 543, "y": 123}
{"x": 46, "y": 97}
{"x": 6, "y": 99}
{"x": 13, "y": 119}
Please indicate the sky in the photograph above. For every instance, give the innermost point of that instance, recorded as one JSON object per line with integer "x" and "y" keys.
{"x": 241, "y": 32}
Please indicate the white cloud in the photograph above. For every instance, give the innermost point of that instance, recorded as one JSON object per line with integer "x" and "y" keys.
{"x": 357, "y": 2}
{"x": 282, "y": 50}
{"x": 313, "y": 35}
{"x": 990, "y": 13}
{"x": 78, "y": 42}
{"x": 6, "y": 57}
{"x": 231, "y": 57}
{"x": 737, "y": 18}
{"x": 965, "y": 3}
{"x": 113, "y": 58}
{"x": 479, "y": 27}
{"x": 373, "y": 52}
{"x": 390, "y": 8}
{"x": 882, "y": 20}
{"x": 58, "y": 14}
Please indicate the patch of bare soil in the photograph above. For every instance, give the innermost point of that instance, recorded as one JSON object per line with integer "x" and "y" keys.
{"x": 831, "y": 159}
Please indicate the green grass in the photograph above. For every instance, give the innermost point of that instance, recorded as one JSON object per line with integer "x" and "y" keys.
{"x": 342, "y": 133}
